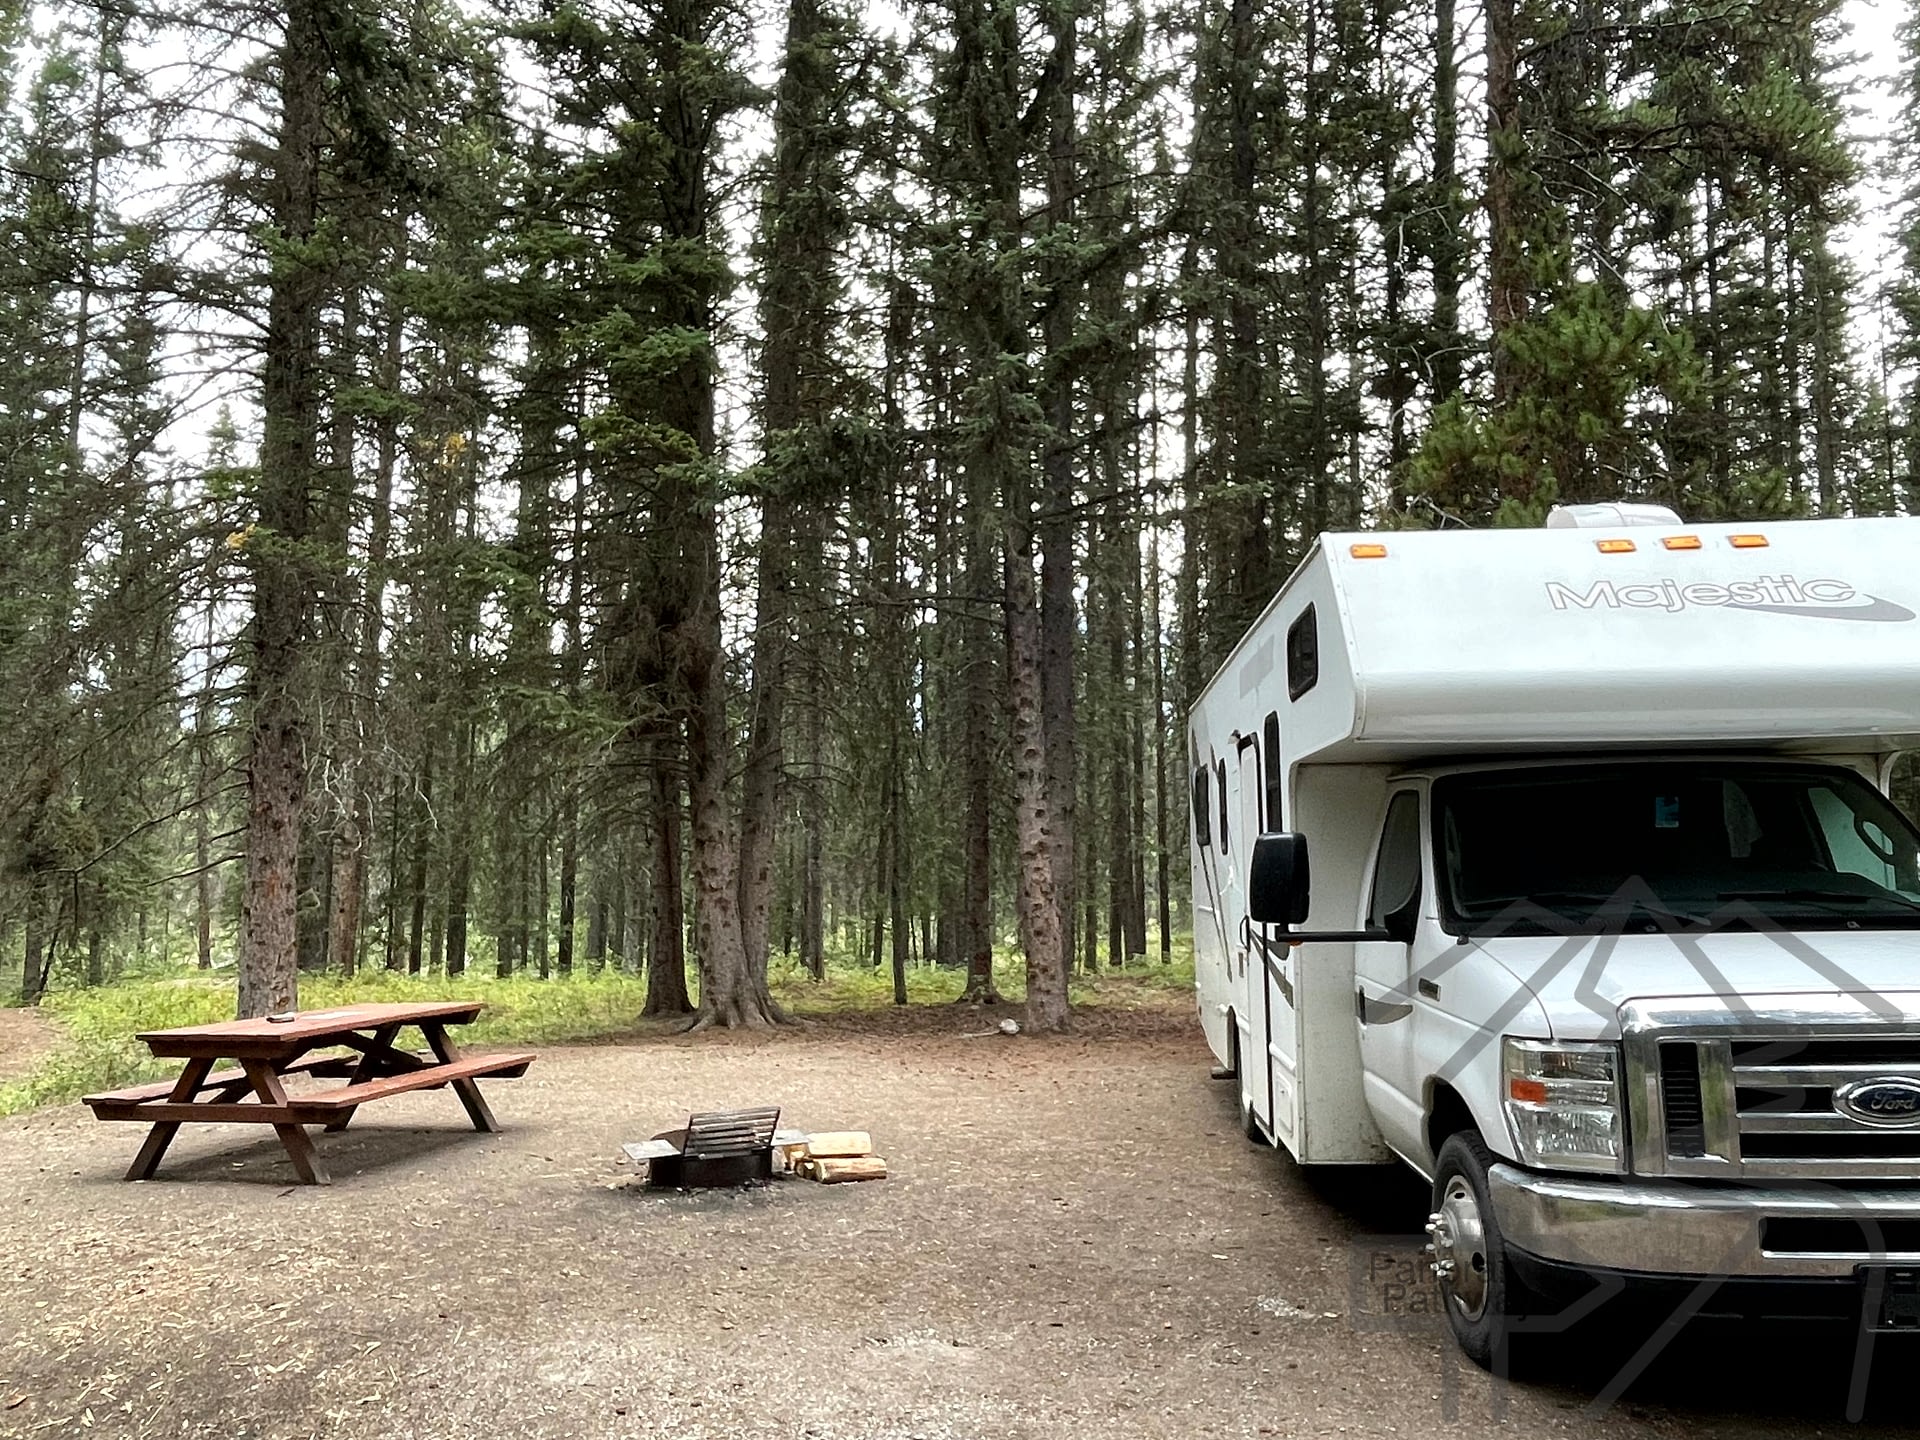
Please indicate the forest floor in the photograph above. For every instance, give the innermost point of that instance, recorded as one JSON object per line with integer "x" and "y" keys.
{"x": 1075, "y": 1242}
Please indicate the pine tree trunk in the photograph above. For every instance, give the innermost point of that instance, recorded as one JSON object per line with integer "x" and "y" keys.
{"x": 315, "y": 909}
{"x": 417, "y": 868}
{"x": 597, "y": 921}
{"x": 897, "y": 870}
{"x": 813, "y": 896}
{"x": 349, "y": 899}
{"x": 766, "y": 757}
{"x": 1448, "y": 249}
{"x": 1161, "y": 838}
{"x": 36, "y": 961}
{"x": 1136, "y": 754}
{"x": 569, "y": 882}
{"x": 276, "y": 760}
{"x": 459, "y": 885}
{"x": 729, "y": 996}
{"x": 1506, "y": 263}
{"x": 203, "y": 897}
{"x": 617, "y": 928}
{"x": 395, "y": 961}
{"x": 1038, "y": 905}
{"x": 543, "y": 872}
{"x": 1058, "y": 622}
{"x": 666, "y": 947}
{"x": 975, "y": 937}
{"x": 350, "y": 895}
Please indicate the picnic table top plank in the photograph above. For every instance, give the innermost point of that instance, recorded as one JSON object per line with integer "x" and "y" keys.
{"x": 249, "y": 1039}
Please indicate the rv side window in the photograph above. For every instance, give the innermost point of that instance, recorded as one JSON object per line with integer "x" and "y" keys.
{"x": 1303, "y": 654}
{"x": 1396, "y": 877}
{"x": 1202, "y": 808}
{"x": 1220, "y": 781}
{"x": 1270, "y": 758}
{"x": 1905, "y": 788}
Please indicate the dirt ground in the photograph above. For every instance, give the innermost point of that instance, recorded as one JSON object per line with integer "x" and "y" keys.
{"x": 25, "y": 1036}
{"x": 1076, "y": 1242}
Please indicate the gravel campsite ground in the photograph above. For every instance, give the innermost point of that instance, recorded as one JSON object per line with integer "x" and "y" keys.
{"x": 1075, "y": 1243}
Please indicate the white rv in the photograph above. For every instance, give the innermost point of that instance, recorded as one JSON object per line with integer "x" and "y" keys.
{"x": 1609, "y": 927}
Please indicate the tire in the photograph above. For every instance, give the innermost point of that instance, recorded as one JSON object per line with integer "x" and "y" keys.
{"x": 1482, "y": 1296}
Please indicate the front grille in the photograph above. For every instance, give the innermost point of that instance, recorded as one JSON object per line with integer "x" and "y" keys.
{"x": 1763, "y": 1106}
{"x": 1784, "y": 1100}
{"x": 1680, "y": 1088}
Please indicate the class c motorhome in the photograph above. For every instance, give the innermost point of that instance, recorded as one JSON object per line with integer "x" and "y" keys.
{"x": 1561, "y": 866}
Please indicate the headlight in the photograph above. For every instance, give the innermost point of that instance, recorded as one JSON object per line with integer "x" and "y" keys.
{"x": 1564, "y": 1104}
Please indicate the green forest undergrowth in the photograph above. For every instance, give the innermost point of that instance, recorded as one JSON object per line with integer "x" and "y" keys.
{"x": 98, "y": 1049}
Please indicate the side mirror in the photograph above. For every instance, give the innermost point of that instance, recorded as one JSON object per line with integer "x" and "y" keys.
{"x": 1278, "y": 885}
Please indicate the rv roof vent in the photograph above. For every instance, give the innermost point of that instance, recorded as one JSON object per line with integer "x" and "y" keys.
{"x": 1610, "y": 516}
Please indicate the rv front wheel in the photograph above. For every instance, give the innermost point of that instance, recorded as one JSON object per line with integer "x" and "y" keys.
{"x": 1481, "y": 1294}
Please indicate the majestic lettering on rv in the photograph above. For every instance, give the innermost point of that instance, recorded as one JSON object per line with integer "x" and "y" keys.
{"x": 1770, "y": 594}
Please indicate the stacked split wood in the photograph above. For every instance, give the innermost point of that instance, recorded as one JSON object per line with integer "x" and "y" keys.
{"x": 838, "y": 1156}
{"x": 834, "y": 1170}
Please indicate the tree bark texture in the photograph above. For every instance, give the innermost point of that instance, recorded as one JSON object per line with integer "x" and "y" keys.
{"x": 276, "y": 760}
{"x": 1038, "y": 904}
{"x": 1507, "y": 262}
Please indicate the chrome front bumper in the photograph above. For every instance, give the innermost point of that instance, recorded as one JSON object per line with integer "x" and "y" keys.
{"x": 1677, "y": 1227}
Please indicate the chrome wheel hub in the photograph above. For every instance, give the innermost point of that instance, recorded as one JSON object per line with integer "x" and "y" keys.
{"x": 1458, "y": 1245}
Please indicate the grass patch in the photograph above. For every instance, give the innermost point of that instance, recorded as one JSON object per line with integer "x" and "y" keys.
{"x": 99, "y": 1051}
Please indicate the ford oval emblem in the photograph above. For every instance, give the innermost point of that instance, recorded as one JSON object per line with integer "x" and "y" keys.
{"x": 1894, "y": 1100}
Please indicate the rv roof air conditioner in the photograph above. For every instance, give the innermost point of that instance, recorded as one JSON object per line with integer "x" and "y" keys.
{"x": 1610, "y": 516}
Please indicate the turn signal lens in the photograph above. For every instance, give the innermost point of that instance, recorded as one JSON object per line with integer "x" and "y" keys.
{"x": 1369, "y": 552}
{"x": 1615, "y": 547}
{"x": 1682, "y": 542}
{"x": 1530, "y": 1092}
{"x": 1748, "y": 542}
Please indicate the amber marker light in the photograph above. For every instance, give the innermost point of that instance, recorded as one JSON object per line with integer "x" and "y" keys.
{"x": 1369, "y": 552}
{"x": 1682, "y": 542}
{"x": 1530, "y": 1092}
{"x": 1747, "y": 542}
{"x": 1615, "y": 547}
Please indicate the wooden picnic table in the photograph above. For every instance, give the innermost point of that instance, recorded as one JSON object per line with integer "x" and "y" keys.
{"x": 269, "y": 1049}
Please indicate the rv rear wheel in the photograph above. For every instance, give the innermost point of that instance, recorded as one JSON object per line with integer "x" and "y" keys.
{"x": 1482, "y": 1295}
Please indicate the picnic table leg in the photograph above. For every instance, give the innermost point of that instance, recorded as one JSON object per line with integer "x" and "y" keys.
{"x": 365, "y": 1068}
{"x": 163, "y": 1131}
{"x": 266, "y": 1084}
{"x": 468, "y": 1089}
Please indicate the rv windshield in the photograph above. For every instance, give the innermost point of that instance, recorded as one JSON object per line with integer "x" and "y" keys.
{"x": 1671, "y": 845}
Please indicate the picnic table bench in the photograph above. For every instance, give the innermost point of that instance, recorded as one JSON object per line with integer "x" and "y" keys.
{"x": 269, "y": 1050}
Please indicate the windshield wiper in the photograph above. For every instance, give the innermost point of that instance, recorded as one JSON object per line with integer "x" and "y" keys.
{"x": 1819, "y": 897}
{"x": 1613, "y": 903}
{"x": 1559, "y": 897}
